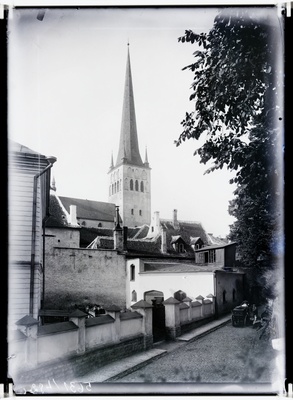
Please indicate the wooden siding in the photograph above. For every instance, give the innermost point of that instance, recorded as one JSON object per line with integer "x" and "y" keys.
{"x": 21, "y": 171}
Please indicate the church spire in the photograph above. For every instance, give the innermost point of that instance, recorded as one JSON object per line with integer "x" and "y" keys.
{"x": 112, "y": 161}
{"x": 146, "y": 161}
{"x": 128, "y": 147}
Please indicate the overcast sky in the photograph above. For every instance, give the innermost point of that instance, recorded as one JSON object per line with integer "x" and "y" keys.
{"x": 65, "y": 85}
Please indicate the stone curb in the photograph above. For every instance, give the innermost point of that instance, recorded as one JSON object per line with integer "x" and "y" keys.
{"x": 135, "y": 367}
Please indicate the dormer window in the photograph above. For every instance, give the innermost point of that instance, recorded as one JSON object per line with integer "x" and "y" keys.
{"x": 178, "y": 244}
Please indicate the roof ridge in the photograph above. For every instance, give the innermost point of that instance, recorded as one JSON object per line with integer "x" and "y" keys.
{"x": 180, "y": 221}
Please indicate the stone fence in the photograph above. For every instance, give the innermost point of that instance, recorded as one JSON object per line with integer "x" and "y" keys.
{"x": 70, "y": 349}
{"x": 181, "y": 316}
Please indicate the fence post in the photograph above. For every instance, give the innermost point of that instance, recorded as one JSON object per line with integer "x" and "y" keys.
{"x": 172, "y": 318}
{"x": 29, "y": 327}
{"x": 146, "y": 310}
{"x": 200, "y": 299}
{"x": 114, "y": 312}
{"x": 212, "y": 298}
{"x": 188, "y": 301}
{"x": 78, "y": 318}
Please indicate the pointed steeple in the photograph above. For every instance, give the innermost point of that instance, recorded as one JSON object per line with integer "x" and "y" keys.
{"x": 128, "y": 147}
{"x": 146, "y": 161}
{"x": 112, "y": 162}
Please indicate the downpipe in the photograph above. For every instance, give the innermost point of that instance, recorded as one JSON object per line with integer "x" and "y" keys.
{"x": 51, "y": 160}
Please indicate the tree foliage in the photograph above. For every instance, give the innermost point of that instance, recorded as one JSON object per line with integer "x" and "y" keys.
{"x": 235, "y": 97}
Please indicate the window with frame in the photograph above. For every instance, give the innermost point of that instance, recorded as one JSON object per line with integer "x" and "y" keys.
{"x": 212, "y": 256}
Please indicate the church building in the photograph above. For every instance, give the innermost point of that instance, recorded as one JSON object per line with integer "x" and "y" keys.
{"x": 129, "y": 177}
{"x": 93, "y": 248}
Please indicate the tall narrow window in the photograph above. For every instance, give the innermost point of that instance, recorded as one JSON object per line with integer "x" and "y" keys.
{"x": 141, "y": 186}
{"x": 132, "y": 272}
{"x": 140, "y": 212}
{"x": 136, "y": 186}
{"x": 131, "y": 184}
{"x": 234, "y": 295}
{"x": 118, "y": 186}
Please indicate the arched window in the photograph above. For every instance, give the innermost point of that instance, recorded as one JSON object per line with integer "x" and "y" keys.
{"x": 118, "y": 186}
{"x": 132, "y": 272}
{"x": 126, "y": 183}
{"x": 141, "y": 186}
{"x": 136, "y": 186}
{"x": 115, "y": 188}
{"x": 133, "y": 296}
{"x": 140, "y": 212}
{"x": 131, "y": 184}
{"x": 100, "y": 225}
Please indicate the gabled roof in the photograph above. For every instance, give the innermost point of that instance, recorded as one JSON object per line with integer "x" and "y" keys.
{"x": 186, "y": 230}
{"x": 90, "y": 209}
{"x": 219, "y": 246}
{"x": 58, "y": 218}
{"x": 20, "y": 152}
{"x": 20, "y": 148}
{"x": 214, "y": 240}
{"x": 195, "y": 240}
{"x": 138, "y": 241}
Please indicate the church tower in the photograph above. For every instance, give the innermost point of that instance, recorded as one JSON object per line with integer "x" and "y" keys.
{"x": 130, "y": 177}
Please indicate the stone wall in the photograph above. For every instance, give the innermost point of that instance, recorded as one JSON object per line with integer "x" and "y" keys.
{"x": 82, "y": 276}
{"x": 74, "y": 366}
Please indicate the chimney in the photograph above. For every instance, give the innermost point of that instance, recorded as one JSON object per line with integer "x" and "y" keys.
{"x": 72, "y": 215}
{"x": 156, "y": 220}
{"x": 163, "y": 240}
{"x": 175, "y": 220}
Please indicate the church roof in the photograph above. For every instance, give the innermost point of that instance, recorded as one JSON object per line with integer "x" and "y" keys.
{"x": 128, "y": 147}
{"x": 90, "y": 209}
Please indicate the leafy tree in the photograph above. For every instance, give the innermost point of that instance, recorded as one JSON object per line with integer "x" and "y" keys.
{"x": 236, "y": 95}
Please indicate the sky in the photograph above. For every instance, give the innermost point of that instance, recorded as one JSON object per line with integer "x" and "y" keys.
{"x": 66, "y": 74}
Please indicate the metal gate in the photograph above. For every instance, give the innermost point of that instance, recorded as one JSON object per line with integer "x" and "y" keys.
{"x": 156, "y": 298}
{"x": 159, "y": 331}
